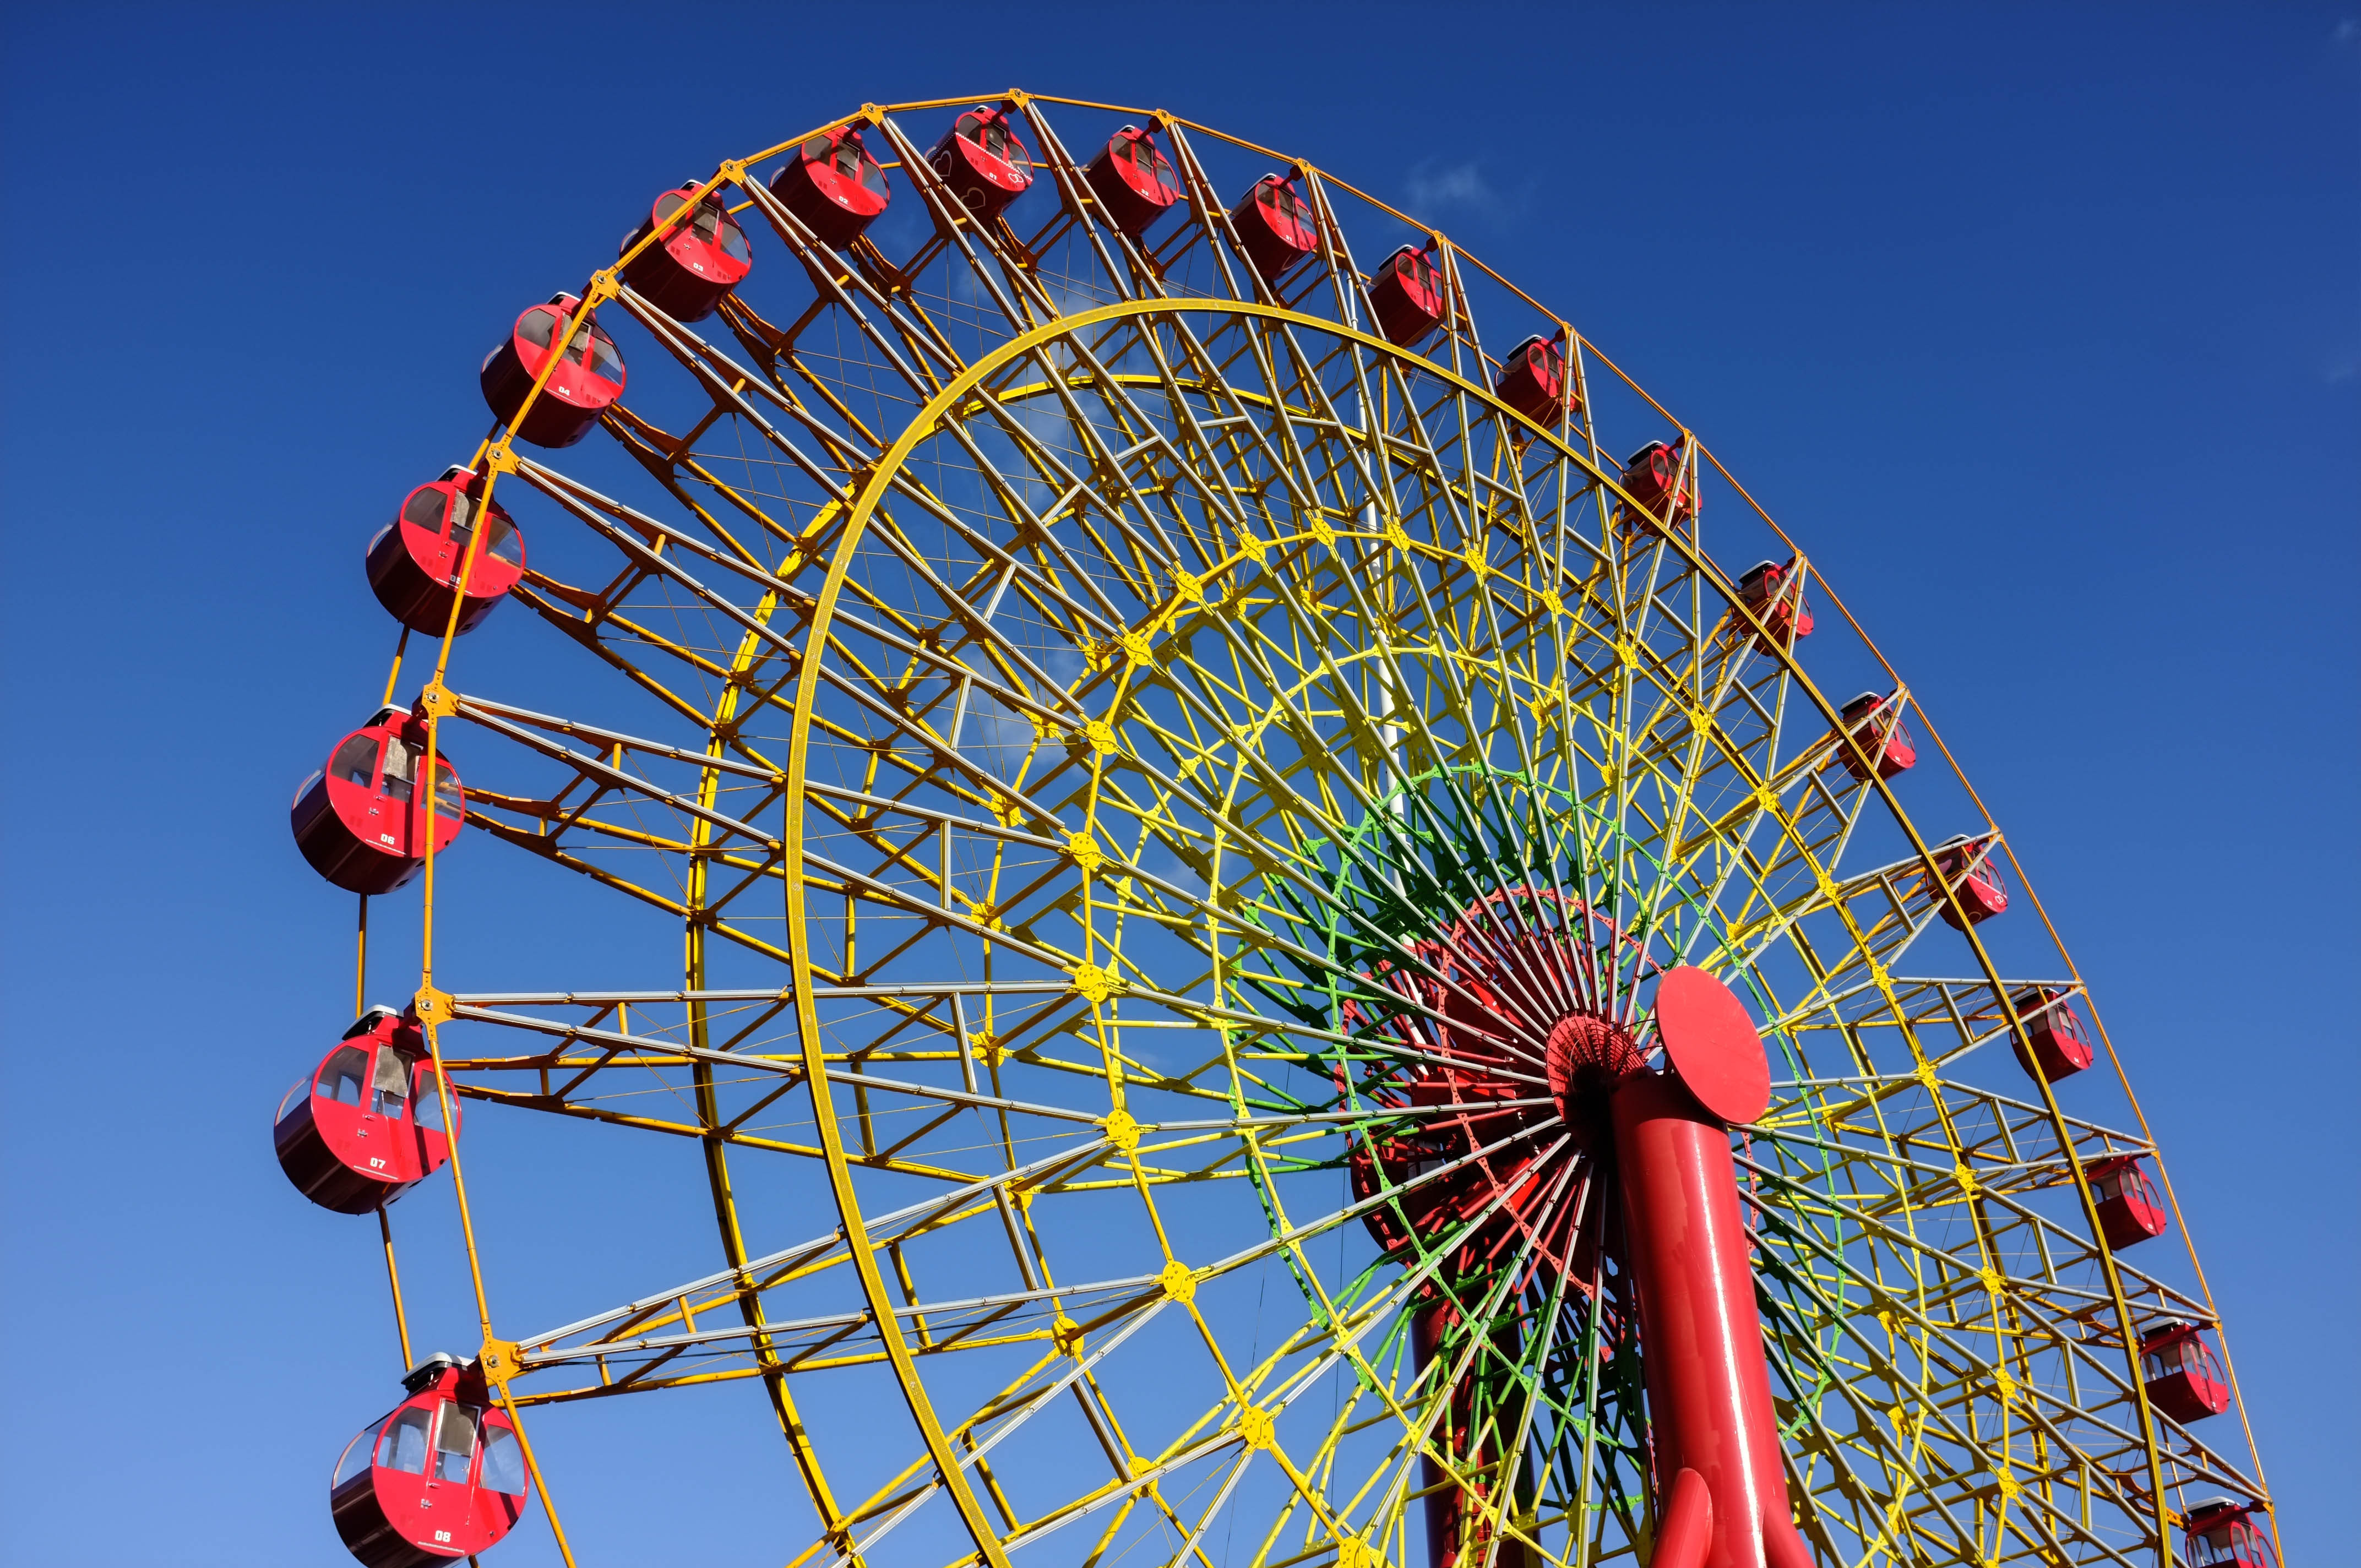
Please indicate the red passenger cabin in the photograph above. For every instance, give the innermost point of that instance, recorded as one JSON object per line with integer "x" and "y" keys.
{"x": 2131, "y": 1210}
{"x": 361, "y": 821}
{"x": 1657, "y": 479}
{"x": 1966, "y": 866}
{"x": 2183, "y": 1379}
{"x": 1407, "y": 297}
{"x": 413, "y": 562}
{"x": 983, "y": 162}
{"x": 440, "y": 1477}
{"x": 1774, "y": 593}
{"x": 1274, "y": 226}
{"x": 2060, "y": 1047}
{"x": 2222, "y": 1533}
{"x": 367, "y": 1127}
{"x": 1533, "y": 380}
{"x": 834, "y": 185}
{"x": 686, "y": 274}
{"x": 1875, "y": 724}
{"x": 587, "y": 378}
{"x": 1133, "y": 180}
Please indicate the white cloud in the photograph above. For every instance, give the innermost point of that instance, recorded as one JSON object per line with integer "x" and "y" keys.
{"x": 1433, "y": 184}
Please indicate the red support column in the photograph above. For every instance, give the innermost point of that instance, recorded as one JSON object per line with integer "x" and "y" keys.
{"x": 1448, "y": 1506}
{"x": 1710, "y": 1412}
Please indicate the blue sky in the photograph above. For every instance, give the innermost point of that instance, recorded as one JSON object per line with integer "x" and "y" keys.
{"x": 2038, "y": 326}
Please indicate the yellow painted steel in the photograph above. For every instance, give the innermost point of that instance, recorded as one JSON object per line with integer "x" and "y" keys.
{"x": 1916, "y": 1306}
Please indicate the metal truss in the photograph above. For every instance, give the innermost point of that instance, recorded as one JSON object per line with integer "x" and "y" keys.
{"x": 1048, "y": 674}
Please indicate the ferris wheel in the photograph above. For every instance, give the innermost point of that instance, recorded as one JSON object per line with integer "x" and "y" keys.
{"x": 1309, "y": 967}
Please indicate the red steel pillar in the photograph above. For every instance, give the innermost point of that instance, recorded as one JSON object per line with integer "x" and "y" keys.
{"x": 1448, "y": 1506}
{"x": 1721, "y": 1485}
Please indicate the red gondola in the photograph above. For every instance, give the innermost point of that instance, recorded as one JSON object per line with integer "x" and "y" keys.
{"x": 2183, "y": 1379}
{"x": 834, "y": 185}
{"x": 1406, "y": 296}
{"x": 441, "y": 1477}
{"x": 361, "y": 822}
{"x": 587, "y": 378}
{"x": 698, "y": 262}
{"x": 1876, "y": 722}
{"x": 2221, "y": 1534}
{"x": 413, "y": 562}
{"x": 983, "y": 162}
{"x": 1533, "y": 380}
{"x": 1274, "y": 226}
{"x": 1655, "y": 477}
{"x": 1133, "y": 180}
{"x": 2131, "y": 1211}
{"x": 1980, "y": 891}
{"x": 2060, "y": 1049}
{"x": 367, "y": 1127}
{"x": 1766, "y": 590}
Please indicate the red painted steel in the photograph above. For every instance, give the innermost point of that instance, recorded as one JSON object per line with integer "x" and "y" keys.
{"x": 1274, "y": 226}
{"x": 1719, "y": 1476}
{"x": 983, "y": 162}
{"x": 1980, "y": 891}
{"x": 366, "y": 1126}
{"x": 2131, "y": 1211}
{"x": 1406, "y": 296}
{"x": 834, "y": 185}
{"x": 1653, "y": 478}
{"x": 586, "y": 381}
{"x": 1450, "y": 1543}
{"x": 2183, "y": 1379}
{"x": 1470, "y": 1091}
{"x": 1709, "y": 1040}
{"x": 1533, "y": 382}
{"x": 2060, "y": 1047}
{"x": 1684, "y": 1523}
{"x": 1504, "y": 965}
{"x": 361, "y": 821}
{"x": 687, "y": 274}
{"x": 1132, "y": 180}
{"x": 1709, "y": 1410}
{"x": 1766, "y": 590}
{"x": 1876, "y": 722}
{"x": 413, "y": 562}
{"x": 2220, "y": 1533}
{"x": 438, "y": 1478}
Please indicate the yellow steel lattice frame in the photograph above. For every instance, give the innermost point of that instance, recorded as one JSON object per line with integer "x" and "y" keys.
{"x": 838, "y": 531}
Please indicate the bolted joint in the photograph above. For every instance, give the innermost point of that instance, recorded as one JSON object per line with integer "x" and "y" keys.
{"x": 498, "y": 1361}
{"x": 433, "y": 1006}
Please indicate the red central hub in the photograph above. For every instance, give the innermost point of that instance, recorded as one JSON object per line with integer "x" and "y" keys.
{"x": 1516, "y": 1048}
{"x": 1506, "y": 1037}
{"x": 1587, "y": 1056}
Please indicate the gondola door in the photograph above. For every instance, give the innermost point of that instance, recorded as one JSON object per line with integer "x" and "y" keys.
{"x": 428, "y": 510}
{"x": 429, "y": 1141}
{"x": 395, "y": 793}
{"x": 340, "y": 1094}
{"x": 447, "y": 1499}
{"x": 499, "y": 559}
{"x": 387, "y": 1133}
{"x": 352, "y": 773}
